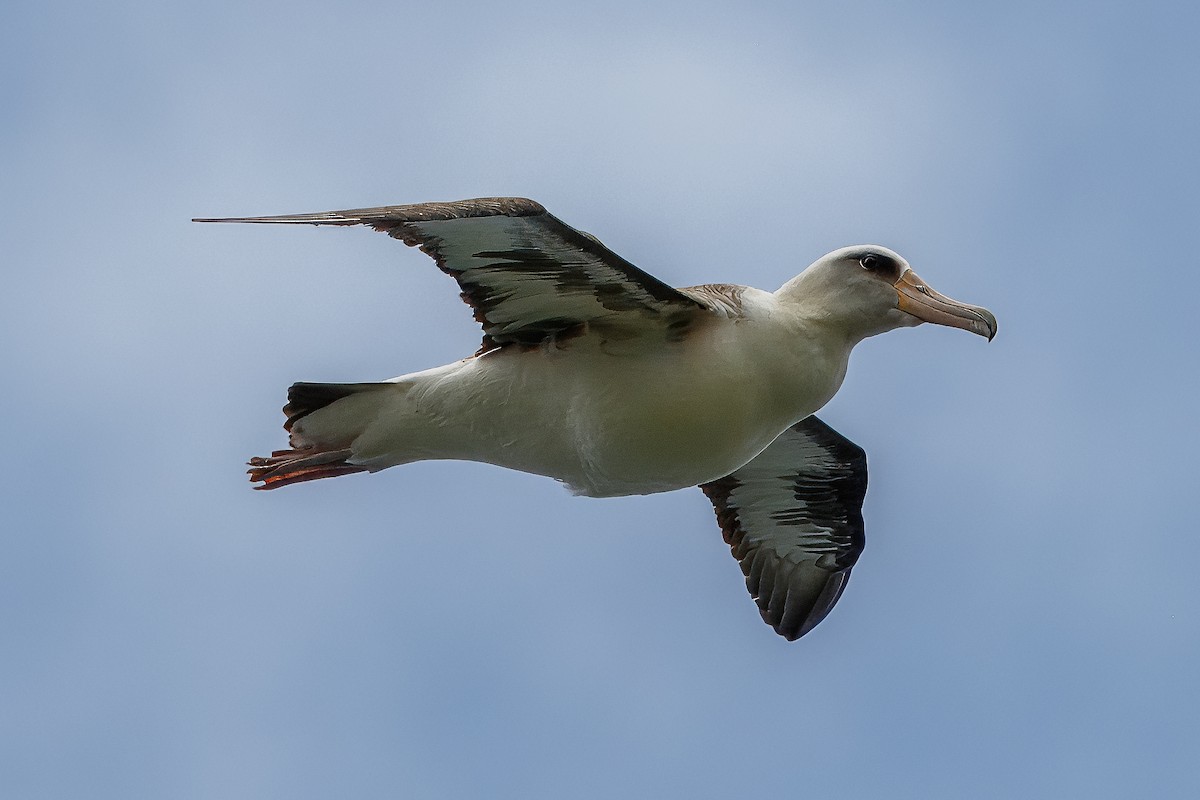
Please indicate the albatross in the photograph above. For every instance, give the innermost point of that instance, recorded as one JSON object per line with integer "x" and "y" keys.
{"x": 603, "y": 377}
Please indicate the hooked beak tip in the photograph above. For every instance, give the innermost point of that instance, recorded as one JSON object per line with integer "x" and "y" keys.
{"x": 989, "y": 319}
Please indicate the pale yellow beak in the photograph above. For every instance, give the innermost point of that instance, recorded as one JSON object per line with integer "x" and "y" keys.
{"x": 925, "y": 304}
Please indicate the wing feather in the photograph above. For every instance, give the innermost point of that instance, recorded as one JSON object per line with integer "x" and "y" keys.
{"x": 528, "y": 276}
{"x": 792, "y": 518}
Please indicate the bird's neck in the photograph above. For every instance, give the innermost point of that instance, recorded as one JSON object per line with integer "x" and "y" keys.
{"x": 813, "y": 362}
{"x": 816, "y": 307}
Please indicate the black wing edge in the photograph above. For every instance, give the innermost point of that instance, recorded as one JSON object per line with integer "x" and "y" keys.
{"x": 385, "y": 217}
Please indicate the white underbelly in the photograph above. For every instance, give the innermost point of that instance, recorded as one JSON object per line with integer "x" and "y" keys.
{"x": 655, "y": 441}
{"x": 602, "y": 425}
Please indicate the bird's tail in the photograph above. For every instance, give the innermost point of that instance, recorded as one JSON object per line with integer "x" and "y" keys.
{"x": 321, "y": 442}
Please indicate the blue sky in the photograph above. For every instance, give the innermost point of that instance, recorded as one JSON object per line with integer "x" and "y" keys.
{"x": 1023, "y": 622}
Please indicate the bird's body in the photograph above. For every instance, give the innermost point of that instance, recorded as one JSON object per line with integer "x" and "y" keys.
{"x": 607, "y": 417}
{"x": 599, "y": 375}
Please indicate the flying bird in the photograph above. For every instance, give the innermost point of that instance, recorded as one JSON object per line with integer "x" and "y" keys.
{"x": 603, "y": 377}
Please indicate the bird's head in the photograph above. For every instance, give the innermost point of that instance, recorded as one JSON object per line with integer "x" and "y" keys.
{"x": 867, "y": 289}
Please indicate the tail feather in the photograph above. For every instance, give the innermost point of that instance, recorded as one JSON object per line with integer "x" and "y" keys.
{"x": 304, "y": 398}
{"x": 285, "y": 467}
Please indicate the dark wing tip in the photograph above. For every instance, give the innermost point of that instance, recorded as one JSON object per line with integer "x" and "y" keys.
{"x": 330, "y": 218}
{"x": 811, "y": 593}
{"x": 384, "y": 216}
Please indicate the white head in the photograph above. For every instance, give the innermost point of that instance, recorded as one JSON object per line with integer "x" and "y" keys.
{"x": 866, "y": 289}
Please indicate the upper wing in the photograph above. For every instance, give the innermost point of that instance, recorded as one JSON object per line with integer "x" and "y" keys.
{"x": 528, "y": 275}
{"x": 793, "y": 518}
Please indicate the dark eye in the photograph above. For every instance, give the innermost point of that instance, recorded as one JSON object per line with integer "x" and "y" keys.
{"x": 871, "y": 262}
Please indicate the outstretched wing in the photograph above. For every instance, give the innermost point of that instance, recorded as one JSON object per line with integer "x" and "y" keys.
{"x": 793, "y": 518}
{"x": 528, "y": 276}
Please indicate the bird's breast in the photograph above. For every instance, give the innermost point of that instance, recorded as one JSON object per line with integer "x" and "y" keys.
{"x": 652, "y": 428}
{"x": 641, "y": 422}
